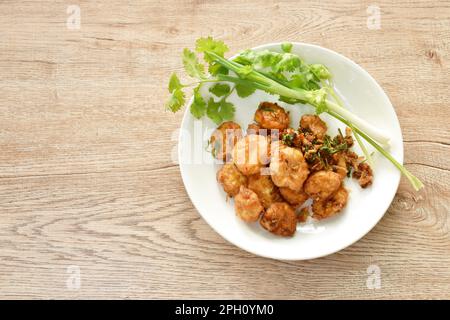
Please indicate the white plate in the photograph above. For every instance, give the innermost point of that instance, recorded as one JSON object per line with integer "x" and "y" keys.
{"x": 365, "y": 207}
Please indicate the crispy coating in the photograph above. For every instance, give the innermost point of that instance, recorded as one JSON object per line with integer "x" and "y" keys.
{"x": 231, "y": 179}
{"x": 314, "y": 124}
{"x": 294, "y": 198}
{"x": 251, "y": 153}
{"x": 323, "y": 209}
{"x": 288, "y": 167}
{"x": 341, "y": 165}
{"x": 254, "y": 128}
{"x": 322, "y": 184}
{"x": 271, "y": 116}
{"x": 280, "y": 219}
{"x": 224, "y": 138}
{"x": 264, "y": 187}
{"x": 247, "y": 205}
{"x": 364, "y": 175}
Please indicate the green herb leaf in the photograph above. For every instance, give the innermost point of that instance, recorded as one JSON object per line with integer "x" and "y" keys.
{"x": 244, "y": 91}
{"x": 301, "y": 80}
{"x": 220, "y": 111}
{"x": 226, "y": 110}
{"x": 289, "y": 62}
{"x": 215, "y": 69}
{"x": 192, "y": 65}
{"x": 176, "y": 100}
{"x": 198, "y": 106}
{"x": 288, "y": 139}
{"x": 264, "y": 59}
{"x": 286, "y": 47}
{"x": 174, "y": 83}
{"x": 213, "y": 111}
{"x": 320, "y": 71}
{"x": 278, "y": 75}
{"x": 220, "y": 89}
{"x": 209, "y": 44}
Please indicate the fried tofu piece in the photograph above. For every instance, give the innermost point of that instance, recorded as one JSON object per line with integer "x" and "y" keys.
{"x": 224, "y": 138}
{"x": 322, "y": 184}
{"x": 323, "y": 209}
{"x": 231, "y": 179}
{"x": 264, "y": 187}
{"x": 280, "y": 219}
{"x": 271, "y": 116}
{"x": 288, "y": 167}
{"x": 247, "y": 205}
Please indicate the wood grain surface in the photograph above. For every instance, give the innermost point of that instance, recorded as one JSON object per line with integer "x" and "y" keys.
{"x": 86, "y": 177}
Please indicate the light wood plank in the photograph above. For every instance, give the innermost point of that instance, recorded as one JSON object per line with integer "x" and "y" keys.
{"x": 86, "y": 173}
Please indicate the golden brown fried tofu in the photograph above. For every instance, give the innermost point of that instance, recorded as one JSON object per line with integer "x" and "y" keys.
{"x": 294, "y": 198}
{"x": 323, "y": 209}
{"x": 288, "y": 167}
{"x": 224, "y": 138}
{"x": 251, "y": 153}
{"x": 247, "y": 205}
{"x": 231, "y": 179}
{"x": 280, "y": 219}
{"x": 271, "y": 116}
{"x": 322, "y": 184}
{"x": 264, "y": 187}
{"x": 314, "y": 124}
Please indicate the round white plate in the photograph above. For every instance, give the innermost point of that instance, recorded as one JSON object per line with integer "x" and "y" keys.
{"x": 364, "y": 97}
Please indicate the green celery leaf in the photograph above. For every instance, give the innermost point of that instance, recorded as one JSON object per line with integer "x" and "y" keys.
{"x": 312, "y": 85}
{"x": 289, "y": 62}
{"x": 192, "y": 65}
{"x": 212, "y": 111}
{"x": 278, "y": 76}
{"x": 244, "y": 91}
{"x": 320, "y": 71}
{"x": 174, "y": 83}
{"x": 220, "y": 111}
{"x": 299, "y": 80}
{"x": 176, "y": 100}
{"x": 215, "y": 69}
{"x": 209, "y": 44}
{"x": 267, "y": 58}
{"x": 220, "y": 89}
{"x": 226, "y": 110}
{"x": 198, "y": 106}
{"x": 286, "y": 47}
{"x": 263, "y": 58}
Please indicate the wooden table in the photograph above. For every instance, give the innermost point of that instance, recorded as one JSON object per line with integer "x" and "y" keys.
{"x": 91, "y": 204}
